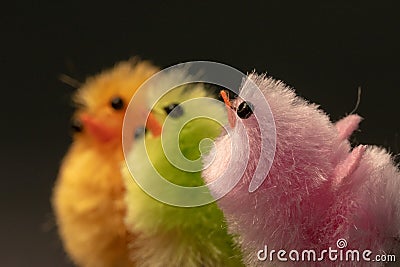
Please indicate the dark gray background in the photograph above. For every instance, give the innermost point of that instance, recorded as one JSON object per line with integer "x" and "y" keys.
{"x": 325, "y": 49}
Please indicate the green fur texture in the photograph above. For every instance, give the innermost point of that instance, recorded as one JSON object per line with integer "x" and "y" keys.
{"x": 169, "y": 235}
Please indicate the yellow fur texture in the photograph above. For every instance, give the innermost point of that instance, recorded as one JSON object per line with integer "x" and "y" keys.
{"x": 88, "y": 195}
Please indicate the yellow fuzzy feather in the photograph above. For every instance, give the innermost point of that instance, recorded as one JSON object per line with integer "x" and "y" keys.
{"x": 88, "y": 195}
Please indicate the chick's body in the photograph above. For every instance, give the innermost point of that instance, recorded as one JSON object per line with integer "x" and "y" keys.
{"x": 88, "y": 195}
{"x": 170, "y": 235}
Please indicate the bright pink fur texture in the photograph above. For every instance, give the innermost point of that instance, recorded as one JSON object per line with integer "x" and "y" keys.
{"x": 318, "y": 189}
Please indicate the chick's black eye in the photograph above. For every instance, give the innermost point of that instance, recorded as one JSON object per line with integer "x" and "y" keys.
{"x": 140, "y": 131}
{"x": 174, "y": 110}
{"x": 117, "y": 103}
{"x": 245, "y": 110}
{"x": 76, "y": 126}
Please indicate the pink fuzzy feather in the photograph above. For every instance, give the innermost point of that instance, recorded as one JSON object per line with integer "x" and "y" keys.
{"x": 317, "y": 190}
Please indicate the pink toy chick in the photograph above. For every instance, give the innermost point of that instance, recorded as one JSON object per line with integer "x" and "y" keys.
{"x": 318, "y": 189}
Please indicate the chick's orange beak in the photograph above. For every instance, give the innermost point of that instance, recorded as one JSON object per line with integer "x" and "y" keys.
{"x": 153, "y": 125}
{"x": 97, "y": 128}
{"x": 228, "y": 105}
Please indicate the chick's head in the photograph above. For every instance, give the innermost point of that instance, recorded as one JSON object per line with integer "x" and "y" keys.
{"x": 183, "y": 124}
{"x": 103, "y": 99}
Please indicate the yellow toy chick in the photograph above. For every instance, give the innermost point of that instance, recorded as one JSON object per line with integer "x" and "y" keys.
{"x": 88, "y": 198}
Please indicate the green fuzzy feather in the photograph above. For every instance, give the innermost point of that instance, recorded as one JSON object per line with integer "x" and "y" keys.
{"x": 169, "y": 235}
